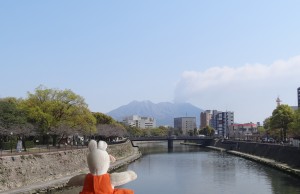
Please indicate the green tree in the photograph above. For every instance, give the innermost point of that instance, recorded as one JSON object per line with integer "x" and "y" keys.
{"x": 136, "y": 131}
{"x": 261, "y": 130}
{"x": 107, "y": 127}
{"x": 103, "y": 118}
{"x": 159, "y": 131}
{"x": 164, "y": 130}
{"x": 281, "y": 117}
{"x": 266, "y": 124}
{"x": 10, "y": 115}
{"x": 208, "y": 131}
{"x": 13, "y": 120}
{"x": 276, "y": 133}
{"x": 295, "y": 125}
{"x": 58, "y": 112}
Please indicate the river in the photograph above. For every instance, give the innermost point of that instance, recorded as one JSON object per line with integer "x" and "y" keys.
{"x": 195, "y": 170}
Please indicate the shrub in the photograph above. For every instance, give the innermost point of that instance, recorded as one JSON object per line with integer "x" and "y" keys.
{"x": 9, "y": 145}
{"x": 29, "y": 144}
{"x": 13, "y": 145}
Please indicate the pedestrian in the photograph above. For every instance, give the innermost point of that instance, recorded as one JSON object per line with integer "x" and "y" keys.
{"x": 19, "y": 145}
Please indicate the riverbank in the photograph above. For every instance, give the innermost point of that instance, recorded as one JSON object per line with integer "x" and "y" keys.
{"x": 50, "y": 171}
{"x": 266, "y": 161}
{"x": 269, "y": 162}
{"x": 193, "y": 170}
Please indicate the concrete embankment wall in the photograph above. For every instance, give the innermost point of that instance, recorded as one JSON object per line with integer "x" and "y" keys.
{"x": 283, "y": 154}
{"x": 23, "y": 170}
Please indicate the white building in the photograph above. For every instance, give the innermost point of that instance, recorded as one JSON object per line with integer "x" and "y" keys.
{"x": 140, "y": 122}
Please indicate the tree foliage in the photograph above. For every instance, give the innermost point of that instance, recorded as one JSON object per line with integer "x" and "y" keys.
{"x": 276, "y": 133}
{"x": 281, "y": 117}
{"x": 12, "y": 118}
{"x": 59, "y": 112}
{"x": 266, "y": 123}
{"x": 134, "y": 131}
{"x": 159, "y": 131}
{"x": 208, "y": 131}
{"x": 103, "y": 118}
{"x": 107, "y": 127}
{"x": 261, "y": 130}
{"x": 295, "y": 125}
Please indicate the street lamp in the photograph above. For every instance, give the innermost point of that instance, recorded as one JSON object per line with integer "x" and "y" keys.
{"x": 11, "y": 133}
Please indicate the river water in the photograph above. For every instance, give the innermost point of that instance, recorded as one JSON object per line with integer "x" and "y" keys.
{"x": 194, "y": 170}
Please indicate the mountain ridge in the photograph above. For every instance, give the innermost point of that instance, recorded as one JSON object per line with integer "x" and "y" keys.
{"x": 163, "y": 112}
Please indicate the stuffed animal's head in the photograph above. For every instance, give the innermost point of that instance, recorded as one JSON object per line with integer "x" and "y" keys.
{"x": 98, "y": 159}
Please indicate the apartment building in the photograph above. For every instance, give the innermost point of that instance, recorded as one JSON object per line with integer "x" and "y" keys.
{"x": 140, "y": 122}
{"x": 185, "y": 124}
{"x": 218, "y": 120}
{"x": 224, "y": 120}
{"x": 205, "y": 118}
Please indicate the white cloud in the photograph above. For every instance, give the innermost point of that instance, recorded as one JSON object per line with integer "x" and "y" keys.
{"x": 249, "y": 90}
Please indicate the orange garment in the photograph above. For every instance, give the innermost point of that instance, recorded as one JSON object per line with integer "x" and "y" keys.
{"x": 94, "y": 184}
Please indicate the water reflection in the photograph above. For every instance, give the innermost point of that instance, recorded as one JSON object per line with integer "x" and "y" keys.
{"x": 194, "y": 170}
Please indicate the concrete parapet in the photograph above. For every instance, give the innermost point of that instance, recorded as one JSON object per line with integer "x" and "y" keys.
{"x": 36, "y": 169}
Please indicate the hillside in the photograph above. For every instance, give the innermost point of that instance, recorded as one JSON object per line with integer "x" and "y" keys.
{"x": 163, "y": 112}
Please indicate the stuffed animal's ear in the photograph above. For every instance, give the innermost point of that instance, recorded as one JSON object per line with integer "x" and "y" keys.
{"x": 102, "y": 145}
{"x": 92, "y": 145}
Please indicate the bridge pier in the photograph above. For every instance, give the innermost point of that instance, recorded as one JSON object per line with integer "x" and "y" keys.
{"x": 170, "y": 143}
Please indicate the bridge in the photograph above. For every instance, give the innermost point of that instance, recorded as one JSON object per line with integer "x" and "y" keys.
{"x": 200, "y": 140}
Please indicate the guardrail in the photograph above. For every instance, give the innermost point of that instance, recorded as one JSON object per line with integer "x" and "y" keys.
{"x": 46, "y": 149}
{"x": 157, "y": 138}
{"x": 40, "y": 149}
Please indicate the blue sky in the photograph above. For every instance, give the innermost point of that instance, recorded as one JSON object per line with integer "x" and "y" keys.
{"x": 226, "y": 55}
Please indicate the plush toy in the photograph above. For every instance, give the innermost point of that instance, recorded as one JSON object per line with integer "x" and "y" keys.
{"x": 98, "y": 181}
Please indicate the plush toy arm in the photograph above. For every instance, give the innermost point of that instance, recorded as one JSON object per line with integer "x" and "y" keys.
{"x": 77, "y": 180}
{"x": 122, "y": 178}
{"x": 112, "y": 159}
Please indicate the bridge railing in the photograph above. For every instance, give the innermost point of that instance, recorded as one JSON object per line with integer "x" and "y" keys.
{"x": 153, "y": 138}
